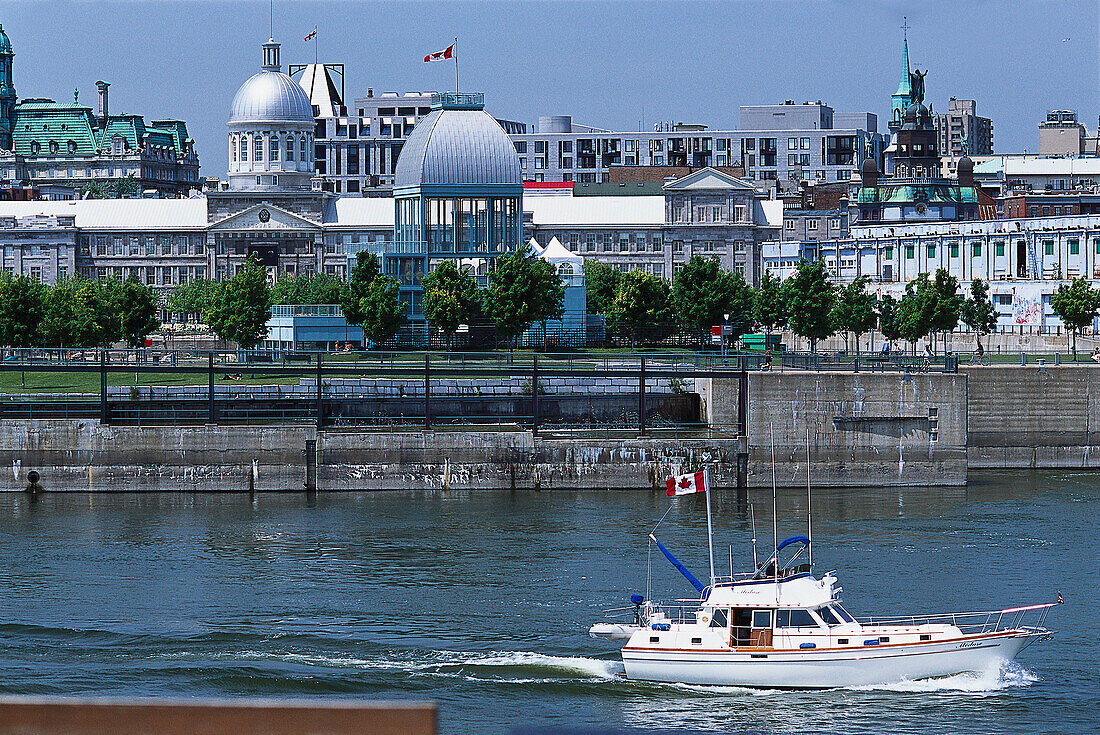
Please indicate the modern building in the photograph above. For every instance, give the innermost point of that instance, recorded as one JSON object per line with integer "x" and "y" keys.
{"x": 1061, "y": 134}
{"x": 775, "y": 143}
{"x": 48, "y": 142}
{"x": 357, "y": 145}
{"x": 961, "y": 132}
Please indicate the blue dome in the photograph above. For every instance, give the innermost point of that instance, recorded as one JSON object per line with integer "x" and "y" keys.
{"x": 271, "y": 96}
{"x": 458, "y": 147}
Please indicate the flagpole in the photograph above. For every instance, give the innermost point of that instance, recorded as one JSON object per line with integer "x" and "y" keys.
{"x": 456, "y": 64}
{"x": 710, "y": 532}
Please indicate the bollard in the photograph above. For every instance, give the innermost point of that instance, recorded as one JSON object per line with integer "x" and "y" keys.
{"x": 1023, "y": 358}
{"x": 1057, "y": 359}
{"x": 33, "y": 488}
{"x": 311, "y": 466}
{"x": 1042, "y": 365}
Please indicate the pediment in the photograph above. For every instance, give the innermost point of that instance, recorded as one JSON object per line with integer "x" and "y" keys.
{"x": 265, "y": 218}
{"x": 709, "y": 178}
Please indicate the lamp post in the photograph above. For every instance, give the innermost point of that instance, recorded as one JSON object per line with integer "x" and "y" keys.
{"x": 725, "y": 329}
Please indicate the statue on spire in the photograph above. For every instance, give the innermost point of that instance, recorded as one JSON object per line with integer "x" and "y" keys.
{"x": 916, "y": 83}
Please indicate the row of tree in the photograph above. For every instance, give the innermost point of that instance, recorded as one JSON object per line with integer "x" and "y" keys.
{"x": 808, "y": 303}
{"x": 75, "y": 312}
{"x": 522, "y": 290}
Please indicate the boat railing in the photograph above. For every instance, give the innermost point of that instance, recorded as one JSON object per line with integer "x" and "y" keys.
{"x": 672, "y": 613}
{"x": 1027, "y": 618}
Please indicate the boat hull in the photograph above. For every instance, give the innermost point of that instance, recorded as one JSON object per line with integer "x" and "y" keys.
{"x": 823, "y": 668}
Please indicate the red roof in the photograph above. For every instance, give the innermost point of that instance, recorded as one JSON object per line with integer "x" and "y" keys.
{"x": 547, "y": 184}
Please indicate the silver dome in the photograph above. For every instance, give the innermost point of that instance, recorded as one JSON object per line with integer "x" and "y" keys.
{"x": 271, "y": 96}
{"x": 458, "y": 147}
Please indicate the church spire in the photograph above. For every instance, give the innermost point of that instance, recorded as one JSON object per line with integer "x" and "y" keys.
{"x": 900, "y": 100}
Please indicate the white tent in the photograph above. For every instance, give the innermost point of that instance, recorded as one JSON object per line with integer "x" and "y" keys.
{"x": 565, "y": 262}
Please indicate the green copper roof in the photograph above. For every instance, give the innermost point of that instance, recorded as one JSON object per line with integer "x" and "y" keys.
{"x": 5, "y": 43}
{"x": 904, "y": 85}
{"x": 42, "y": 127}
{"x": 911, "y": 193}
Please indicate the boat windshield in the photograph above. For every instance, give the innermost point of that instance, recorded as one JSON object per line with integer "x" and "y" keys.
{"x": 828, "y": 616}
{"x": 841, "y": 613}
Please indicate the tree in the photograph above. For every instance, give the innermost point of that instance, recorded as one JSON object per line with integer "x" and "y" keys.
{"x": 240, "y": 308}
{"x": 916, "y": 310}
{"x": 194, "y": 297}
{"x": 82, "y": 313}
{"x": 641, "y": 304}
{"x": 948, "y": 303}
{"x": 808, "y": 297}
{"x": 320, "y": 288}
{"x": 138, "y": 307}
{"x": 124, "y": 188}
{"x": 767, "y": 303}
{"x": 600, "y": 283}
{"x": 977, "y": 311}
{"x": 855, "y": 310}
{"x": 1076, "y": 306}
{"x": 363, "y": 273}
{"x": 451, "y": 297}
{"x": 22, "y": 309}
{"x": 522, "y": 290}
{"x": 382, "y": 310}
{"x": 703, "y": 294}
{"x": 888, "y": 322}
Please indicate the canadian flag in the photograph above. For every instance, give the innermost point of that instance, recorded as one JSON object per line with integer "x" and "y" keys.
{"x": 447, "y": 53}
{"x": 696, "y": 482}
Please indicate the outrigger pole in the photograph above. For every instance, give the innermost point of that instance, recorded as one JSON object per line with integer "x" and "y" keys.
{"x": 809, "y": 511}
{"x": 775, "y": 523}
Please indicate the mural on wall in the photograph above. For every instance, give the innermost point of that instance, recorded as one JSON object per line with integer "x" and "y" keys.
{"x": 1027, "y": 310}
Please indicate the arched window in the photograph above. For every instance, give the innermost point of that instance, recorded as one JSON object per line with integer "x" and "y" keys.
{"x": 244, "y": 147}
{"x": 233, "y": 148}
{"x": 290, "y": 147}
{"x": 565, "y": 269}
{"x": 72, "y": 146}
{"x": 274, "y": 147}
{"x": 257, "y": 147}
{"x": 53, "y": 146}
{"x": 302, "y": 148}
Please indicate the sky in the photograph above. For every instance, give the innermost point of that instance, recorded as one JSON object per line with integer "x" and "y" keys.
{"x": 616, "y": 65}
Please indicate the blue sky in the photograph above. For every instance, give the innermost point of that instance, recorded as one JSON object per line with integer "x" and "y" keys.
{"x": 610, "y": 64}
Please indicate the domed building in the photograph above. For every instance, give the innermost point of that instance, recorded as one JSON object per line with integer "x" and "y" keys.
{"x": 270, "y": 130}
{"x": 458, "y": 194}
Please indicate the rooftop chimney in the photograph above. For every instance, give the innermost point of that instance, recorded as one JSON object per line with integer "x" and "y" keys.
{"x": 103, "y": 112}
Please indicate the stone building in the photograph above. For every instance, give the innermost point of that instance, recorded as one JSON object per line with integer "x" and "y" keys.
{"x": 48, "y": 142}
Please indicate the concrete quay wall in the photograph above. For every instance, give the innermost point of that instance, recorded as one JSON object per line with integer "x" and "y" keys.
{"x": 77, "y": 455}
{"x": 867, "y": 429}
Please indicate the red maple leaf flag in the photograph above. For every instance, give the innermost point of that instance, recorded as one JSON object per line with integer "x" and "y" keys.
{"x": 696, "y": 482}
{"x": 447, "y": 53}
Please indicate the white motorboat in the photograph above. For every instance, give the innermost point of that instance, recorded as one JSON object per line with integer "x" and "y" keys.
{"x": 779, "y": 626}
{"x": 788, "y": 629}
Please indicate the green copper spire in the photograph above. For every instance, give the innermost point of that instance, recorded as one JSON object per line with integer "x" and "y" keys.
{"x": 901, "y": 99}
{"x": 7, "y": 91}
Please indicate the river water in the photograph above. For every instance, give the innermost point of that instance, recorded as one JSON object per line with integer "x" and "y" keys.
{"x": 481, "y": 601}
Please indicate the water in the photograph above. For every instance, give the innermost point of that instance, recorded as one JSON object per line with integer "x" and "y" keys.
{"x": 481, "y": 601}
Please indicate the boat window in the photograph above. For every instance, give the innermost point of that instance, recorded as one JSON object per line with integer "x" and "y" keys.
{"x": 843, "y": 614}
{"x": 828, "y": 616}
{"x": 718, "y": 619}
{"x": 761, "y": 618}
{"x": 795, "y": 619}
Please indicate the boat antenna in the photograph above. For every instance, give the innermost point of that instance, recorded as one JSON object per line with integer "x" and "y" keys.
{"x": 809, "y": 512}
{"x": 710, "y": 533}
{"x": 752, "y": 515}
{"x": 775, "y": 522}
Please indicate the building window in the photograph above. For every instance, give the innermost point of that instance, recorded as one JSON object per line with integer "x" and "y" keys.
{"x": 1075, "y": 247}
{"x": 244, "y": 148}
{"x": 811, "y": 224}
{"x": 289, "y": 148}
{"x": 889, "y": 253}
{"x": 789, "y": 224}
{"x": 909, "y": 252}
{"x": 36, "y": 273}
{"x": 976, "y": 250}
{"x": 931, "y": 251}
{"x": 1096, "y": 245}
{"x": 274, "y": 145}
{"x": 999, "y": 248}
{"x": 954, "y": 250}
{"x": 302, "y": 143}
{"x": 1048, "y": 247}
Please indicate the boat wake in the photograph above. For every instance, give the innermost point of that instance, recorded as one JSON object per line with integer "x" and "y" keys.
{"x": 1009, "y": 675}
{"x": 499, "y": 666}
